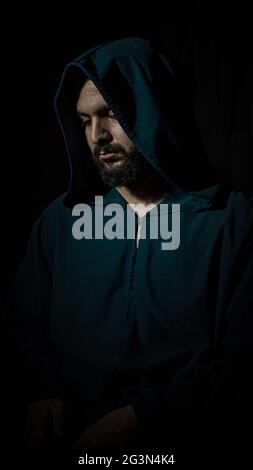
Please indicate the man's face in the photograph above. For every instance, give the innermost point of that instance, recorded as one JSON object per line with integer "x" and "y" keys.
{"x": 118, "y": 160}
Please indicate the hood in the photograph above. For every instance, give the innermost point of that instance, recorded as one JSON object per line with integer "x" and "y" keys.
{"x": 138, "y": 82}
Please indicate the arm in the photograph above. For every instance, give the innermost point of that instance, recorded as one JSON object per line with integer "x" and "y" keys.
{"x": 31, "y": 366}
{"x": 31, "y": 373}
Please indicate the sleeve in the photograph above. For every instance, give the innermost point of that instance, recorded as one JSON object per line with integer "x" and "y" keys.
{"x": 215, "y": 389}
{"x": 30, "y": 367}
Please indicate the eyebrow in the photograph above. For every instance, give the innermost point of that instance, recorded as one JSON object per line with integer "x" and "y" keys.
{"x": 98, "y": 112}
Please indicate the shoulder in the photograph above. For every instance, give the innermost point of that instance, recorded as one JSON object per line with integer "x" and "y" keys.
{"x": 240, "y": 209}
{"x": 51, "y": 214}
{"x": 239, "y": 200}
{"x": 239, "y": 219}
{"x": 46, "y": 227}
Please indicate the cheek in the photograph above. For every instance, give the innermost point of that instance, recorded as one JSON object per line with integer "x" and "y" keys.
{"x": 122, "y": 137}
{"x": 87, "y": 136}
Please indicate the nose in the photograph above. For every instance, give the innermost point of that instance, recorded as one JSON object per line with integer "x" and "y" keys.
{"x": 100, "y": 134}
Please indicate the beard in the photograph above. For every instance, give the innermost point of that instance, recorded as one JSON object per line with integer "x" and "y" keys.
{"x": 125, "y": 168}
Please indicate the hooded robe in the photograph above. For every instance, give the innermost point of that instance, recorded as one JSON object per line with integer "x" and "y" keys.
{"x": 103, "y": 323}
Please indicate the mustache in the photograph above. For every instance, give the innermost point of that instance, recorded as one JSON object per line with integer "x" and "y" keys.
{"x": 108, "y": 148}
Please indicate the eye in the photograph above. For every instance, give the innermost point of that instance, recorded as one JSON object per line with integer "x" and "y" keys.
{"x": 85, "y": 122}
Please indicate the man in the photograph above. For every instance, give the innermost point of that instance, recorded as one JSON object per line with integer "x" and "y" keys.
{"x": 115, "y": 342}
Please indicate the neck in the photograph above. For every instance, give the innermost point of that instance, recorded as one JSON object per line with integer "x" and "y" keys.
{"x": 150, "y": 189}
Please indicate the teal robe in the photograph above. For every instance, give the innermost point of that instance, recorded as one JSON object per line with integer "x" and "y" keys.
{"x": 102, "y": 323}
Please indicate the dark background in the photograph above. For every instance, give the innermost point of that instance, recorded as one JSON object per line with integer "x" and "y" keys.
{"x": 211, "y": 43}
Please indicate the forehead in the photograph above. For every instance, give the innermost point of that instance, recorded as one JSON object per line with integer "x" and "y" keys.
{"x": 89, "y": 98}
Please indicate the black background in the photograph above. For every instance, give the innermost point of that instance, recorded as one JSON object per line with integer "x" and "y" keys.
{"x": 211, "y": 42}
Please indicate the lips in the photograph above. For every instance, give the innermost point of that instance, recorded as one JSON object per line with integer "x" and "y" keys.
{"x": 106, "y": 156}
